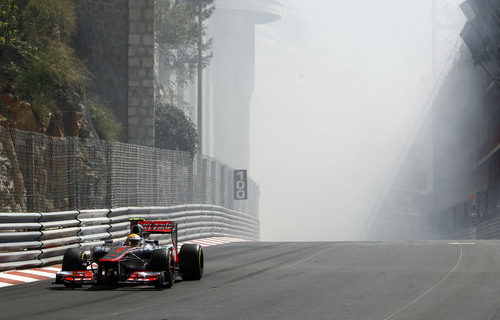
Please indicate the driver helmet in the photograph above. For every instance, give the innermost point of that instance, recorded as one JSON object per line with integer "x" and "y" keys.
{"x": 133, "y": 240}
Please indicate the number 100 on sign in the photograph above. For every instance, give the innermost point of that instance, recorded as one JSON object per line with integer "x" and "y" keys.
{"x": 240, "y": 185}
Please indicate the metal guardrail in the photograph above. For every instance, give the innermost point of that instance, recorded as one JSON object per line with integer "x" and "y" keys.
{"x": 38, "y": 239}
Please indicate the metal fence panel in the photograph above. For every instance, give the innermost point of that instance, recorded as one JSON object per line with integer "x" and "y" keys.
{"x": 46, "y": 174}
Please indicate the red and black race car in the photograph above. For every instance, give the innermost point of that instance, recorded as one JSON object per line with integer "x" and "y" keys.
{"x": 138, "y": 262}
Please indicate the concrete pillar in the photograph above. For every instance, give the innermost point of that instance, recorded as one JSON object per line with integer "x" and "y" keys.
{"x": 141, "y": 125}
{"x": 102, "y": 43}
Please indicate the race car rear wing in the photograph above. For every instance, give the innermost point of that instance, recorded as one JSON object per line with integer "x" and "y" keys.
{"x": 154, "y": 226}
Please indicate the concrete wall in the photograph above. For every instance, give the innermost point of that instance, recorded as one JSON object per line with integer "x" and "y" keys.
{"x": 102, "y": 43}
{"x": 141, "y": 126}
{"x": 115, "y": 40}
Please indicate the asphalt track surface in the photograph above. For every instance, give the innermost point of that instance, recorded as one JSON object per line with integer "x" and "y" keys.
{"x": 326, "y": 280}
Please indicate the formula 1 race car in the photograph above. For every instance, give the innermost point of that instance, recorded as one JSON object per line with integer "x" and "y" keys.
{"x": 135, "y": 261}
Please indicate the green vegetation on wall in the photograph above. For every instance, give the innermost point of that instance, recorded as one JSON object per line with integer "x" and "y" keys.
{"x": 177, "y": 36}
{"x": 104, "y": 121}
{"x": 45, "y": 68}
{"x": 38, "y": 63}
{"x": 173, "y": 130}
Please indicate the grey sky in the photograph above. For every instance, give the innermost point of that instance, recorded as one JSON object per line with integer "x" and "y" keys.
{"x": 334, "y": 102}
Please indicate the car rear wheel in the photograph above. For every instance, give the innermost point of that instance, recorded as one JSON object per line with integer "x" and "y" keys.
{"x": 75, "y": 259}
{"x": 191, "y": 261}
{"x": 163, "y": 261}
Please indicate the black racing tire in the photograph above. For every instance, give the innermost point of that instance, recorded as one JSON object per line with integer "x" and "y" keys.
{"x": 191, "y": 262}
{"x": 162, "y": 260}
{"x": 75, "y": 259}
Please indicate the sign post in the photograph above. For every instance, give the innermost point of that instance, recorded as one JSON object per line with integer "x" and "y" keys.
{"x": 240, "y": 185}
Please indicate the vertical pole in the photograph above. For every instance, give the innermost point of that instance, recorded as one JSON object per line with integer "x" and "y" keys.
{"x": 173, "y": 179}
{"x": 30, "y": 168}
{"x": 200, "y": 75}
{"x": 190, "y": 164}
{"x": 109, "y": 175}
{"x": 433, "y": 39}
{"x": 222, "y": 185}
{"x": 204, "y": 184}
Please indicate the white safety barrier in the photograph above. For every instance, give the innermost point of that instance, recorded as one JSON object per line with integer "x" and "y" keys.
{"x": 38, "y": 239}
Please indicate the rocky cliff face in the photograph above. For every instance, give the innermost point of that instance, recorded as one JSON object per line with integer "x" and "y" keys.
{"x": 12, "y": 187}
{"x": 30, "y": 161}
{"x": 17, "y": 114}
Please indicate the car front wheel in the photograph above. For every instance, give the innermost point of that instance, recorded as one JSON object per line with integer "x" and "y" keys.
{"x": 162, "y": 260}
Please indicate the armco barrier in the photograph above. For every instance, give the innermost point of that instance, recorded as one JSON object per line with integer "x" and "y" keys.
{"x": 38, "y": 239}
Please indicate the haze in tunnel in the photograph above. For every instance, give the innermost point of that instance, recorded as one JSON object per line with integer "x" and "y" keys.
{"x": 339, "y": 85}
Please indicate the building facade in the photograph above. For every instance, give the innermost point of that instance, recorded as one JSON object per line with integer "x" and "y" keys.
{"x": 469, "y": 193}
{"x": 462, "y": 135}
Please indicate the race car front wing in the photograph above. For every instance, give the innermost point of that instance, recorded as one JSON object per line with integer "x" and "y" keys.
{"x": 88, "y": 277}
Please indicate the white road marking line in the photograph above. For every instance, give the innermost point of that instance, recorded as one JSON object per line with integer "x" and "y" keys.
{"x": 202, "y": 242}
{"x": 3, "y": 284}
{"x": 461, "y": 243}
{"x": 52, "y": 269}
{"x": 215, "y": 241}
{"x": 207, "y": 242}
{"x": 221, "y": 240}
{"x": 211, "y": 241}
{"x": 38, "y": 273}
{"x": 434, "y": 287}
{"x": 18, "y": 278}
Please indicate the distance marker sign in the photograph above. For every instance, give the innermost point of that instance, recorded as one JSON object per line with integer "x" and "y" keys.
{"x": 240, "y": 185}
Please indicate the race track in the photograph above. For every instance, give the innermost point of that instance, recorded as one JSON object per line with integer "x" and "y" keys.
{"x": 326, "y": 280}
